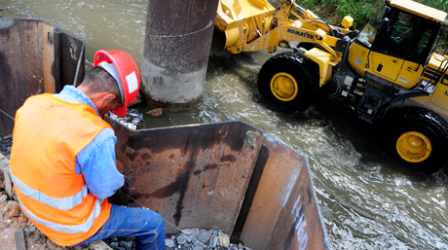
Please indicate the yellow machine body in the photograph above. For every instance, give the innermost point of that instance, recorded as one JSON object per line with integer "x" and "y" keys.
{"x": 250, "y": 25}
{"x": 398, "y": 71}
{"x": 253, "y": 25}
{"x": 242, "y": 21}
{"x": 438, "y": 100}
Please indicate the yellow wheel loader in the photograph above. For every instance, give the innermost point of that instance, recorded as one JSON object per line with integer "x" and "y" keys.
{"x": 387, "y": 72}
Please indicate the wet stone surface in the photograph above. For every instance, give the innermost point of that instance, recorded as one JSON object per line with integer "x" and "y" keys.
{"x": 200, "y": 239}
{"x": 5, "y": 145}
{"x": 188, "y": 239}
{"x": 120, "y": 243}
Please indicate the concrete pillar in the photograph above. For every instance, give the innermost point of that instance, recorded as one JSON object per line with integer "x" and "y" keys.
{"x": 176, "y": 50}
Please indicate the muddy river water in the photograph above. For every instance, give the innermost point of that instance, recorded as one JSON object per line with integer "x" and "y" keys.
{"x": 368, "y": 200}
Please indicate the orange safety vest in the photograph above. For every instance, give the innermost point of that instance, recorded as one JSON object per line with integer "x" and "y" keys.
{"x": 48, "y": 134}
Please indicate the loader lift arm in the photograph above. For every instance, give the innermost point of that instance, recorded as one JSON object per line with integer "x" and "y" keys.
{"x": 250, "y": 25}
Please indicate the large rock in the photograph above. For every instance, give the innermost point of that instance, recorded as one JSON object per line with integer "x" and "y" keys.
{"x": 224, "y": 239}
{"x": 15, "y": 211}
{"x": 204, "y": 236}
{"x": 169, "y": 243}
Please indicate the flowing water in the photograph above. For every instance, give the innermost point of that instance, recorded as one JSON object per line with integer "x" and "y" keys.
{"x": 368, "y": 200}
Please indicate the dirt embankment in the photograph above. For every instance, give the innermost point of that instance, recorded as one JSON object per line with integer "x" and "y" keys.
{"x": 13, "y": 223}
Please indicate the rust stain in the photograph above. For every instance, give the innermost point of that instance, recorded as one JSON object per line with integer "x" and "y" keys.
{"x": 145, "y": 156}
{"x": 173, "y": 139}
{"x": 166, "y": 191}
{"x": 230, "y": 158}
{"x": 237, "y": 145}
{"x": 132, "y": 155}
{"x": 179, "y": 186}
{"x": 209, "y": 140}
{"x": 174, "y": 181}
{"x": 183, "y": 183}
{"x": 123, "y": 148}
{"x": 207, "y": 167}
{"x": 210, "y": 166}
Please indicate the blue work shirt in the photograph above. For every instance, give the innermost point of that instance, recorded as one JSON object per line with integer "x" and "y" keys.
{"x": 97, "y": 160}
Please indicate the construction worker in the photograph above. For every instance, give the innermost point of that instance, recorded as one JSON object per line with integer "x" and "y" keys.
{"x": 407, "y": 35}
{"x": 398, "y": 45}
{"x": 63, "y": 159}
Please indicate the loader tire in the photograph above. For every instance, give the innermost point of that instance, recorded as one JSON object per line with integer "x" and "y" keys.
{"x": 420, "y": 138}
{"x": 285, "y": 78}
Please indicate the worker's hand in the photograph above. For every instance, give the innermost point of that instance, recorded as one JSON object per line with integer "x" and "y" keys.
{"x": 120, "y": 166}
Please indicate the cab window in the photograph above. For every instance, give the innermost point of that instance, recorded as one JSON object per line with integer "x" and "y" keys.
{"x": 398, "y": 34}
{"x": 419, "y": 54}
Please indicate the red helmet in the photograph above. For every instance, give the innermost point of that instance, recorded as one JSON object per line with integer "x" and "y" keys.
{"x": 123, "y": 69}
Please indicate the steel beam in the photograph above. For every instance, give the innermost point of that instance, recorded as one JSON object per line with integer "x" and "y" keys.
{"x": 34, "y": 58}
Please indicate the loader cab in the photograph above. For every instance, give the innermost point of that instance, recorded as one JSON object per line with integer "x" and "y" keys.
{"x": 399, "y": 45}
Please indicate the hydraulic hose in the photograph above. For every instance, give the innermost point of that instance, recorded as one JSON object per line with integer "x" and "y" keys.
{"x": 338, "y": 88}
{"x": 325, "y": 23}
{"x": 316, "y": 20}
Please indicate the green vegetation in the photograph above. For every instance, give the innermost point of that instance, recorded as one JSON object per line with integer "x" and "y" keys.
{"x": 362, "y": 11}
{"x": 438, "y": 4}
{"x": 333, "y": 11}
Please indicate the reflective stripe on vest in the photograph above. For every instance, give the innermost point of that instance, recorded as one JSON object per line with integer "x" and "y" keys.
{"x": 59, "y": 203}
{"x": 64, "y": 228}
{"x": 48, "y": 135}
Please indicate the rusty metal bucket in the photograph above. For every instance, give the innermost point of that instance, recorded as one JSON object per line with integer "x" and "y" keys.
{"x": 35, "y": 57}
{"x": 226, "y": 176}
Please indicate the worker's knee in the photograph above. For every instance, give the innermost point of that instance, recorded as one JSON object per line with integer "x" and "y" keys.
{"x": 154, "y": 238}
{"x": 154, "y": 220}
{"x": 158, "y": 220}
{"x": 160, "y": 228}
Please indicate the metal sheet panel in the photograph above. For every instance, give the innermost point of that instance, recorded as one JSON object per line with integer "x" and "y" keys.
{"x": 283, "y": 211}
{"x": 21, "y": 68}
{"x": 28, "y": 63}
{"x": 71, "y": 54}
{"x": 194, "y": 176}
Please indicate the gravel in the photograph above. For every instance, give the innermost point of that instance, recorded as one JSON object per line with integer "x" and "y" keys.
{"x": 3, "y": 198}
{"x": 200, "y": 239}
{"x": 188, "y": 239}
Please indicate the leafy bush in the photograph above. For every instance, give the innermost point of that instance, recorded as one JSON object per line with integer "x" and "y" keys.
{"x": 333, "y": 11}
{"x": 360, "y": 10}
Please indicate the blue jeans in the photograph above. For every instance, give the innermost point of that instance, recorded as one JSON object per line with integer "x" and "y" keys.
{"x": 147, "y": 225}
